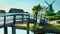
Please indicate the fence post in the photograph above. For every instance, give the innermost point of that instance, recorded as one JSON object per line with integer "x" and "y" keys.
{"x": 5, "y": 27}
{"x": 28, "y": 25}
{"x": 13, "y": 25}
{"x": 22, "y": 18}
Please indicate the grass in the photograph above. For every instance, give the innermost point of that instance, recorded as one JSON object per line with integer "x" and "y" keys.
{"x": 57, "y": 27}
{"x": 52, "y": 18}
{"x": 52, "y": 27}
{"x": 56, "y": 20}
{"x": 31, "y": 25}
{"x": 25, "y": 25}
{"x": 47, "y": 26}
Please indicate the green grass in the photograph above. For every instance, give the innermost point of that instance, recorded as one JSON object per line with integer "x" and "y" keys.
{"x": 56, "y": 20}
{"x": 52, "y": 27}
{"x": 25, "y": 25}
{"x": 57, "y": 27}
{"x": 48, "y": 26}
{"x": 52, "y": 18}
{"x": 31, "y": 25}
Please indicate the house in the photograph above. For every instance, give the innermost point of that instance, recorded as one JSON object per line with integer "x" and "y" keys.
{"x": 2, "y": 11}
{"x": 15, "y": 10}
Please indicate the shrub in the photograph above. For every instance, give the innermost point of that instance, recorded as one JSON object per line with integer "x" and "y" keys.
{"x": 58, "y": 21}
{"x": 58, "y": 16}
{"x": 49, "y": 13}
{"x": 53, "y": 17}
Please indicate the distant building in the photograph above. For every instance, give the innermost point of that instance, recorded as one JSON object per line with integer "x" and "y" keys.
{"x": 14, "y": 10}
{"x": 2, "y": 11}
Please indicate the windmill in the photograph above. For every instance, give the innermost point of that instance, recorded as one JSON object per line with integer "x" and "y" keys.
{"x": 50, "y": 8}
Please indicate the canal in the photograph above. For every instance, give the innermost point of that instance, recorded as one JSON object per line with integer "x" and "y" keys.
{"x": 18, "y": 31}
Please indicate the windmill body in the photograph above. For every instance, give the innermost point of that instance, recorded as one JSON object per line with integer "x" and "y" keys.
{"x": 50, "y": 8}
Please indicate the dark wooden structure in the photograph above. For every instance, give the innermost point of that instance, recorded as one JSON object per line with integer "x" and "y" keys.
{"x": 14, "y": 22}
{"x": 2, "y": 11}
{"x": 15, "y": 10}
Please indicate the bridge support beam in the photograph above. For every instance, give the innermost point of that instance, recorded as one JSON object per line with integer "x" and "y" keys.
{"x": 28, "y": 25}
{"x": 35, "y": 24}
{"x": 13, "y": 25}
{"x": 5, "y": 27}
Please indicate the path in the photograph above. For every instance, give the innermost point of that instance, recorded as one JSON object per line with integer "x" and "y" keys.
{"x": 54, "y": 22}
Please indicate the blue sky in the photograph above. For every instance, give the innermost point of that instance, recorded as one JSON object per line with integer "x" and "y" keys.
{"x": 26, "y": 5}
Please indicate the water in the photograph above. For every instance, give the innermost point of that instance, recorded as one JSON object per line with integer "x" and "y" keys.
{"x": 18, "y": 31}
{"x": 49, "y": 33}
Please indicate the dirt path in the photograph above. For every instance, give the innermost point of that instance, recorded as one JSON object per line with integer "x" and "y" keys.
{"x": 54, "y": 22}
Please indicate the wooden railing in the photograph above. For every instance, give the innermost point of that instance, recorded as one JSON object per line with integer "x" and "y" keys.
{"x": 14, "y": 22}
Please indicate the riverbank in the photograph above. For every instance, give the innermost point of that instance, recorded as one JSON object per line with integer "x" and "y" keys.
{"x": 42, "y": 28}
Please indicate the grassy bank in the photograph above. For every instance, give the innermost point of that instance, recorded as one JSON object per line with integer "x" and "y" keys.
{"x": 47, "y": 26}
{"x": 31, "y": 25}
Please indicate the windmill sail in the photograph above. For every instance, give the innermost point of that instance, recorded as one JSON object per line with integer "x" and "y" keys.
{"x": 53, "y": 2}
{"x": 46, "y": 2}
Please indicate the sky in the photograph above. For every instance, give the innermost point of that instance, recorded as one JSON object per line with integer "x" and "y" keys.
{"x": 26, "y": 5}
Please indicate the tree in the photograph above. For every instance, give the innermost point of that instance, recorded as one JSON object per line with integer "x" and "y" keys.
{"x": 36, "y": 9}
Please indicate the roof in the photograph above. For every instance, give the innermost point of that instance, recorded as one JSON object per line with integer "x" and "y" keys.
{"x": 2, "y": 11}
{"x": 15, "y": 10}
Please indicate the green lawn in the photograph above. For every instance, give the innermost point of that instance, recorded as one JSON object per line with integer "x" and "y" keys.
{"x": 52, "y": 27}
{"x": 57, "y": 27}
{"x": 56, "y": 20}
{"x": 31, "y": 25}
{"x": 48, "y": 26}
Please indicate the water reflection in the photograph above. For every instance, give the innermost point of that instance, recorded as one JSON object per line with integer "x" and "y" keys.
{"x": 49, "y": 33}
{"x": 18, "y": 31}
{"x": 1, "y": 30}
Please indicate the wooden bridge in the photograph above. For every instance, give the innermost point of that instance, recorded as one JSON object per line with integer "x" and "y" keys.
{"x": 5, "y": 25}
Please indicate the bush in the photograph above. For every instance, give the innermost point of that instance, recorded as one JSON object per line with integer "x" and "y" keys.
{"x": 58, "y": 21}
{"x": 58, "y": 16}
{"x": 53, "y": 17}
{"x": 49, "y": 13}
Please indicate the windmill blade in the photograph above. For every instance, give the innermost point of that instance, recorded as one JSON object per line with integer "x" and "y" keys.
{"x": 53, "y": 2}
{"x": 46, "y": 2}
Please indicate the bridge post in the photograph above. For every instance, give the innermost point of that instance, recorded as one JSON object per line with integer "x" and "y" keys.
{"x": 13, "y": 25}
{"x": 5, "y": 27}
{"x": 28, "y": 25}
{"x": 22, "y": 17}
{"x": 35, "y": 24}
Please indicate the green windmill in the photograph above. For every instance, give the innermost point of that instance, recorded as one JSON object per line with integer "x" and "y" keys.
{"x": 50, "y": 8}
